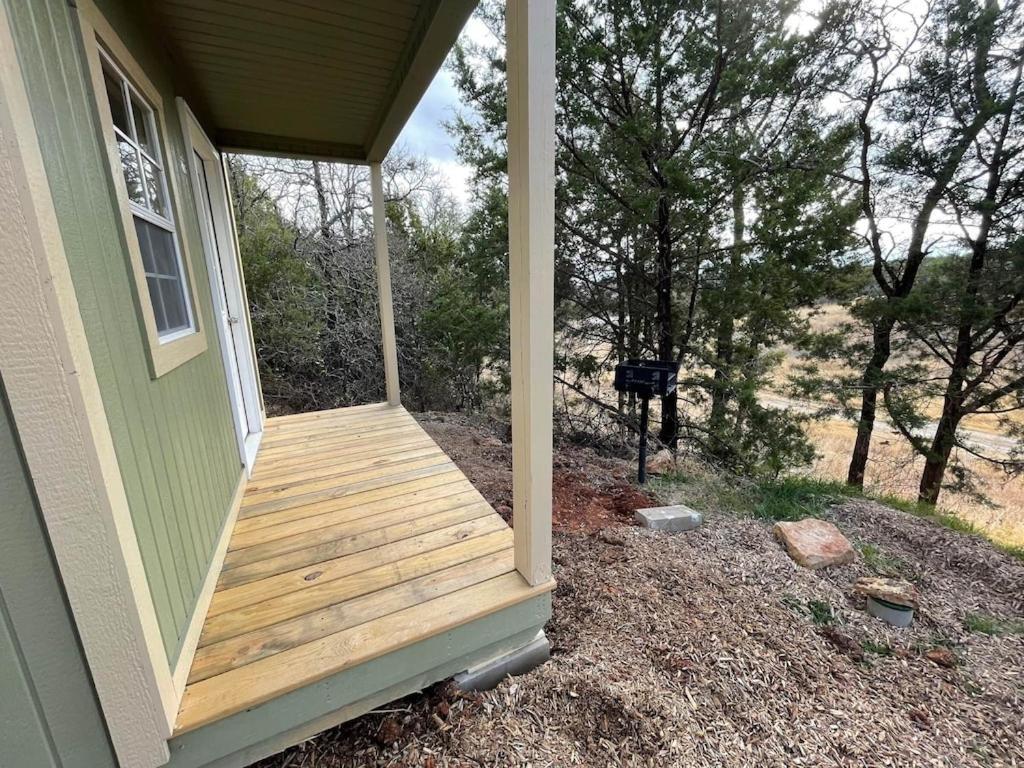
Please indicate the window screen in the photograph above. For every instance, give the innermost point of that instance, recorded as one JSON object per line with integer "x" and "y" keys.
{"x": 139, "y": 150}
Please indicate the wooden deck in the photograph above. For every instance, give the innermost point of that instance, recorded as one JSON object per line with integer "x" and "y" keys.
{"x": 357, "y": 536}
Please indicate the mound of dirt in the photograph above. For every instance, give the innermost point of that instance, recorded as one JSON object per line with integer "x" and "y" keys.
{"x": 590, "y": 492}
{"x": 713, "y": 648}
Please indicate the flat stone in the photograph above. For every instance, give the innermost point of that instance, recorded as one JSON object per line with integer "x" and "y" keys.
{"x": 661, "y": 463}
{"x": 675, "y": 518}
{"x": 814, "y": 543}
{"x": 896, "y": 591}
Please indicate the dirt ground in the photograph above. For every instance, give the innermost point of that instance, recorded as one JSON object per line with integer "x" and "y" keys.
{"x": 713, "y": 648}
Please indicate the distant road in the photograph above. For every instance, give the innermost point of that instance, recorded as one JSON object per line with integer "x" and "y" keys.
{"x": 997, "y": 445}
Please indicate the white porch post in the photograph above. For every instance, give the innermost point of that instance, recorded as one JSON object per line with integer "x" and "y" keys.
{"x": 387, "y": 312}
{"x": 530, "y": 32}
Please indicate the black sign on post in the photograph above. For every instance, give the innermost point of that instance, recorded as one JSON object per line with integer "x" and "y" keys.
{"x": 645, "y": 379}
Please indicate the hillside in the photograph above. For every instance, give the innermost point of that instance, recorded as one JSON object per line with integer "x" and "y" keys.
{"x": 713, "y": 648}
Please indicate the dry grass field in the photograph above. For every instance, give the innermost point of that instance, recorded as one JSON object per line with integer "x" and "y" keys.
{"x": 997, "y": 509}
{"x": 831, "y": 317}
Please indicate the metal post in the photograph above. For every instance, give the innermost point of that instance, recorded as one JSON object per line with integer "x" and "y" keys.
{"x": 641, "y": 470}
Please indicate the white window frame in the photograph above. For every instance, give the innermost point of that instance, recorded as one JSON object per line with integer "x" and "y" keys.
{"x": 164, "y": 222}
{"x": 105, "y": 49}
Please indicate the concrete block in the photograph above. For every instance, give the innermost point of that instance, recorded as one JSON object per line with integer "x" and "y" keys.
{"x": 675, "y": 518}
{"x": 518, "y": 661}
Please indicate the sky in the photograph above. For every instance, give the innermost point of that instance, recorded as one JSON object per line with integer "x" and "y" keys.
{"x": 424, "y": 135}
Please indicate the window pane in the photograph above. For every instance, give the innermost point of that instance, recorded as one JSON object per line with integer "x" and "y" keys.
{"x": 115, "y": 95}
{"x": 174, "y": 305}
{"x": 165, "y": 259}
{"x": 132, "y": 173}
{"x": 145, "y": 137}
{"x": 142, "y": 229}
{"x": 158, "y": 304}
{"x": 163, "y": 277}
{"x": 154, "y": 188}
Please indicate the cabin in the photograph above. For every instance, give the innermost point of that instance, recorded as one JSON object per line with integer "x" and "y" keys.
{"x": 184, "y": 581}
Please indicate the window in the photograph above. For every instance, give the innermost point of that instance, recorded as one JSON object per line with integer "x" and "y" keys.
{"x": 138, "y": 149}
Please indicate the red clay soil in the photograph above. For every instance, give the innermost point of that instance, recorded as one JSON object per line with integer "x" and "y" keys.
{"x": 578, "y": 506}
{"x": 590, "y": 492}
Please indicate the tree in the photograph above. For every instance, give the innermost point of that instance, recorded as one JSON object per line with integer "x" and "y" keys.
{"x": 964, "y": 322}
{"x": 306, "y": 238}
{"x": 932, "y": 94}
{"x": 681, "y": 127}
{"x": 926, "y": 114}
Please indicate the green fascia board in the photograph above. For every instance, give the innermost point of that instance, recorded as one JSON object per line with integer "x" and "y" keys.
{"x": 248, "y": 736}
{"x": 439, "y": 28}
{"x": 285, "y": 146}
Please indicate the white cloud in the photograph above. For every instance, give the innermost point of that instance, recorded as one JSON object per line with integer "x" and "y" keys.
{"x": 424, "y": 135}
{"x": 459, "y": 176}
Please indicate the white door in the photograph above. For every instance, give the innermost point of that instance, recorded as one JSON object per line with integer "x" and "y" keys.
{"x": 222, "y": 263}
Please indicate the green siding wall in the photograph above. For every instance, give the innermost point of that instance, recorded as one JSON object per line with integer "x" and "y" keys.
{"x": 173, "y": 436}
{"x": 49, "y": 715}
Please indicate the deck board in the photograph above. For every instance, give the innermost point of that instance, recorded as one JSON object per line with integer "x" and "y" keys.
{"x": 357, "y": 536}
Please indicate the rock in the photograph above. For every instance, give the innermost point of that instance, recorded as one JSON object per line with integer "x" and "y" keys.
{"x": 611, "y": 538}
{"x": 843, "y": 643}
{"x": 661, "y": 463}
{"x": 675, "y": 518}
{"x": 897, "y": 591}
{"x": 941, "y": 656}
{"x": 814, "y": 543}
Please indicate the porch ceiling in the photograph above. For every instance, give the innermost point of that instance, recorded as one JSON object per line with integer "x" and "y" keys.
{"x": 321, "y": 78}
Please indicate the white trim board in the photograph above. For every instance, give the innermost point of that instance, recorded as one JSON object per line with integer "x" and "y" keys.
{"x": 530, "y": 42}
{"x": 387, "y": 311}
{"x": 226, "y": 175}
{"x": 63, "y": 430}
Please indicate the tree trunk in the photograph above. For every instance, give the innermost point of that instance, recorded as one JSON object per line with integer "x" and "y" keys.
{"x": 669, "y": 433}
{"x": 721, "y": 390}
{"x": 953, "y": 405}
{"x": 323, "y": 208}
{"x": 870, "y": 381}
{"x": 937, "y": 460}
{"x": 723, "y": 360}
{"x": 620, "y": 338}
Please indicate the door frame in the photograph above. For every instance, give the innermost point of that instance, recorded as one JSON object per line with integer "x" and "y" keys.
{"x": 249, "y": 433}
